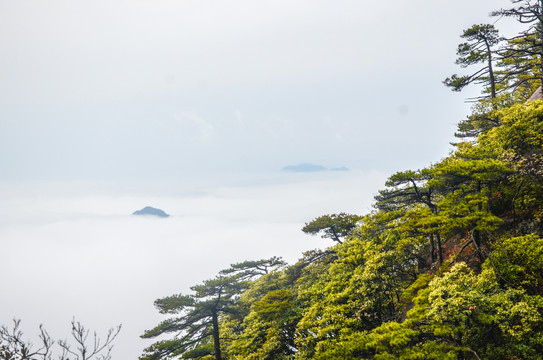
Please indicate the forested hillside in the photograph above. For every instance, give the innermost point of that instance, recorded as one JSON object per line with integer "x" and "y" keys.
{"x": 449, "y": 265}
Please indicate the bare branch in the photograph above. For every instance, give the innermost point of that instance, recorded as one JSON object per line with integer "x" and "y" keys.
{"x": 85, "y": 351}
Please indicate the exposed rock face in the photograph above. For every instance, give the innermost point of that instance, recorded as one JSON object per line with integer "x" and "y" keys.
{"x": 148, "y": 210}
{"x": 537, "y": 95}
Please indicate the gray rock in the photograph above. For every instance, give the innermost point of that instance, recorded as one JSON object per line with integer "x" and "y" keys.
{"x": 148, "y": 210}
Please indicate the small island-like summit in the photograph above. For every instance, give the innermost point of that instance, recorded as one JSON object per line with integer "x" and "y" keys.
{"x": 148, "y": 210}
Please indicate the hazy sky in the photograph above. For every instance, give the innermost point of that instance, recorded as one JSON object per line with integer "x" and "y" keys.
{"x": 121, "y": 90}
{"x": 193, "y": 106}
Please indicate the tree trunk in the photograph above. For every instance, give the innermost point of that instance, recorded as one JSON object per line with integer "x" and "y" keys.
{"x": 432, "y": 250}
{"x": 491, "y": 73}
{"x": 476, "y": 234}
{"x": 476, "y": 238}
{"x": 439, "y": 250}
{"x": 216, "y": 338}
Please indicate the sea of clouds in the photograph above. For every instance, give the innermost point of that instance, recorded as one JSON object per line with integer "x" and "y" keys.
{"x": 73, "y": 250}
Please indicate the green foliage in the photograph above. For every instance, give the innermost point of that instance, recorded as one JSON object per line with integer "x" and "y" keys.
{"x": 274, "y": 303}
{"x": 522, "y": 58}
{"x": 518, "y": 142}
{"x": 406, "y": 189}
{"x": 251, "y": 269}
{"x": 519, "y": 264}
{"x": 196, "y": 324}
{"x": 361, "y": 290}
{"x": 479, "y": 48}
{"x": 474, "y": 312}
{"x": 334, "y": 226}
{"x": 267, "y": 330}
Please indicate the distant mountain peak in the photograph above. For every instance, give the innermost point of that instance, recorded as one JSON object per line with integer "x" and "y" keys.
{"x": 148, "y": 210}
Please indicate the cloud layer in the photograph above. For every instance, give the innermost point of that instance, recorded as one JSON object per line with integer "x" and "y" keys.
{"x": 80, "y": 253}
